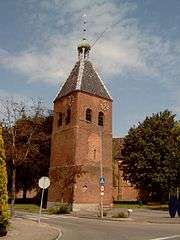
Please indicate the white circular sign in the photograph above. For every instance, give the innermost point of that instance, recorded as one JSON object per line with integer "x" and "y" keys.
{"x": 44, "y": 182}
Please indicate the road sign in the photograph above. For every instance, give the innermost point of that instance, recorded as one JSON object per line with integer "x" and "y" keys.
{"x": 44, "y": 182}
{"x": 102, "y": 193}
{"x": 102, "y": 181}
{"x": 102, "y": 188}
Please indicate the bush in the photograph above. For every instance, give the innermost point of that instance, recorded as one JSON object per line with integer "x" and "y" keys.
{"x": 59, "y": 209}
{"x": 120, "y": 215}
{"x": 104, "y": 214}
{"x": 3, "y": 227}
{"x": 3, "y": 190}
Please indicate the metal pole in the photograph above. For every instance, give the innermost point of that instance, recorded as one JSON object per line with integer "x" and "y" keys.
{"x": 40, "y": 210}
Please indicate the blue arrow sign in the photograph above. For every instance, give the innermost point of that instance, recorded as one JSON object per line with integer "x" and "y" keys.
{"x": 102, "y": 181}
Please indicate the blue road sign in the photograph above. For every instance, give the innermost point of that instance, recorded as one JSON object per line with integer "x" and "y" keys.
{"x": 102, "y": 181}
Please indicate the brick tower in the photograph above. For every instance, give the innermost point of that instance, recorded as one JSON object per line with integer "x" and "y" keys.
{"x": 81, "y": 148}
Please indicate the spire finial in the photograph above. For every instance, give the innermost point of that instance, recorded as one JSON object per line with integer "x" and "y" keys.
{"x": 84, "y": 47}
{"x": 84, "y": 18}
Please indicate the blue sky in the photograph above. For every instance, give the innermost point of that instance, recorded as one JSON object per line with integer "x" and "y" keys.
{"x": 138, "y": 58}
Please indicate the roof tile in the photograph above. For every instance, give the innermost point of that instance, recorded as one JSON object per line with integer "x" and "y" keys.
{"x": 90, "y": 82}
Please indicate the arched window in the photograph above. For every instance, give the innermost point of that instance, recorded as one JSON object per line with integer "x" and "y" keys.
{"x": 68, "y": 116}
{"x": 60, "y": 119}
{"x": 101, "y": 119}
{"x": 88, "y": 115}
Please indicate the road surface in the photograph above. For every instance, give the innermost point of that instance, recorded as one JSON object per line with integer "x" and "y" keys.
{"x": 74, "y": 228}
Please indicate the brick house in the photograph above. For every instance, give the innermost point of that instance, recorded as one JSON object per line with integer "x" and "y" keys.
{"x": 81, "y": 148}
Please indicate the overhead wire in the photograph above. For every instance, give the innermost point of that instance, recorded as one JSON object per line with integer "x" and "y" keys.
{"x": 104, "y": 31}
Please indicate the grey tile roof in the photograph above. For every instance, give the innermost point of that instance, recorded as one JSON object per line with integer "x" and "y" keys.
{"x": 84, "y": 78}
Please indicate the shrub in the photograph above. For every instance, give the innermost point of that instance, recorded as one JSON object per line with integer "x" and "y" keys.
{"x": 120, "y": 215}
{"x": 104, "y": 214}
{"x": 3, "y": 189}
{"x": 59, "y": 209}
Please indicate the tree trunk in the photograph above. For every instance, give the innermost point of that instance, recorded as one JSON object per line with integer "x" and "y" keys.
{"x": 24, "y": 194}
{"x": 13, "y": 191}
{"x": 177, "y": 192}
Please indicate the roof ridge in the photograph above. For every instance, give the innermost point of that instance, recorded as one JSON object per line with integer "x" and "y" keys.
{"x": 102, "y": 82}
{"x": 80, "y": 74}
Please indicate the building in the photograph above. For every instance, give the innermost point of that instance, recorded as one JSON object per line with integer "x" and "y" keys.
{"x": 82, "y": 138}
{"x": 122, "y": 190}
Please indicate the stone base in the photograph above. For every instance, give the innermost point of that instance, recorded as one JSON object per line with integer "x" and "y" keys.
{"x": 90, "y": 207}
{"x": 78, "y": 207}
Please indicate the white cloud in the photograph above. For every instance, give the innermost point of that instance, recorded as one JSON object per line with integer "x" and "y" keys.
{"x": 124, "y": 48}
{"x": 5, "y": 95}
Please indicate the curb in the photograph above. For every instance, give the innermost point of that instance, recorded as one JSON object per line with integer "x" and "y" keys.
{"x": 59, "y": 233}
{"x": 134, "y": 220}
{"x": 106, "y": 219}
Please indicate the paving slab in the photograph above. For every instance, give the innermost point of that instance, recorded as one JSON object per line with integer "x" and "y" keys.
{"x": 23, "y": 229}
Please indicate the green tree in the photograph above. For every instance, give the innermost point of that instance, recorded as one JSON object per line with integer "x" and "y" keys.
{"x": 3, "y": 186}
{"x": 18, "y": 135}
{"x": 176, "y": 133}
{"x": 38, "y": 160}
{"x": 150, "y": 155}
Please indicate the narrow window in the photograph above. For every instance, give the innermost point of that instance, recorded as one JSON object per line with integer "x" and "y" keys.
{"x": 101, "y": 119}
{"x": 94, "y": 153}
{"x": 68, "y": 116}
{"x": 89, "y": 114}
{"x": 60, "y": 119}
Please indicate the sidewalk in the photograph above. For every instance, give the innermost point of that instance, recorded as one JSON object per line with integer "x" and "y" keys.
{"x": 23, "y": 229}
{"x": 154, "y": 216}
{"x": 138, "y": 215}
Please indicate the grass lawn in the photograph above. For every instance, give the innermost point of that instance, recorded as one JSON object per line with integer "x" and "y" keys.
{"x": 32, "y": 208}
{"x": 156, "y": 206}
{"x": 126, "y": 205}
{"x": 152, "y": 206}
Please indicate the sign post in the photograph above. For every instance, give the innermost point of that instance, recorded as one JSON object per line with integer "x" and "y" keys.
{"x": 44, "y": 182}
{"x": 101, "y": 184}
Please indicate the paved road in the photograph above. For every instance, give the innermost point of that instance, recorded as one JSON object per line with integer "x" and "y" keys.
{"x": 85, "y": 229}
{"x": 88, "y": 229}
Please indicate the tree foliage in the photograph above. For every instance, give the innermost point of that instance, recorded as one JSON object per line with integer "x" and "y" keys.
{"x": 151, "y": 156}
{"x": 3, "y": 184}
{"x": 37, "y": 161}
{"x": 21, "y": 122}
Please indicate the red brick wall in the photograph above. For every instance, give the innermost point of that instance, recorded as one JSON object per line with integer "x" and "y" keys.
{"x": 122, "y": 190}
{"x": 80, "y": 141}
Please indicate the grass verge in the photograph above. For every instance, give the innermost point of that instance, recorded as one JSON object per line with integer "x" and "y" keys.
{"x": 32, "y": 208}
